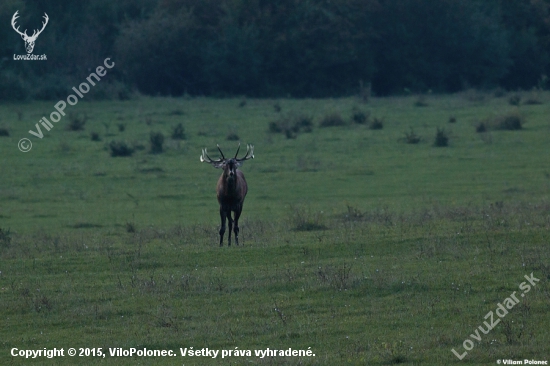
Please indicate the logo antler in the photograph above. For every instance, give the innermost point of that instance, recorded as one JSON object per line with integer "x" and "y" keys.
{"x": 29, "y": 41}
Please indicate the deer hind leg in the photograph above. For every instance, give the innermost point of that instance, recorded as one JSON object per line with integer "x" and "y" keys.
{"x": 223, "y": 215}
{"x": 237, "y": 215}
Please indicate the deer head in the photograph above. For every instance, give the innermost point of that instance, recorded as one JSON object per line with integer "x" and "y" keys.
{"x": 29, "y": 41}
{"x": 228, "y": 164}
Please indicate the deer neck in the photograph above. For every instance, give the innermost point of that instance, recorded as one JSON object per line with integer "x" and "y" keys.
{"x": 231, "y": 182}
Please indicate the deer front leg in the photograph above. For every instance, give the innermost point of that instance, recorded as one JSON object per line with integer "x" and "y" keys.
{"x": 222, "y": 229}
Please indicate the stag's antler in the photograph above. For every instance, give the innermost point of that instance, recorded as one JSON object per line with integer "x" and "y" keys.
{"x": 249, "y": 153}
{"x": 205, "y": 158}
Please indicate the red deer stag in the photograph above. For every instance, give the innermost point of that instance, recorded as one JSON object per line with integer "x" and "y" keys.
{"x": 231, "y": 188}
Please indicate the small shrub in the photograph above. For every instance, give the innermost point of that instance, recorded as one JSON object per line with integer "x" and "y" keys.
{"x": 360, "y": 117}
{"x": 130, "y": 227}
{"x": 242, "y": 103}
{"x": 332, "y": 120}
{"x": 411, "y": 137}
{"x": 120, "y": 148}
{"x": 4, "y": 132}
{"x": 452, "y": 119}
{"x": 5, "y": 237}
{"x": 277, "y": 107}
{"x": 481, "y": 127}
{"x": 514, "y": 99}
{"x": 178, "y": 132}
{"x": 77, "y": 122}
{"x": 441, "y": 138}
{"x": 291, "y": 125}
{"x": 157, "y": 142}
{"x": 302, "y": 123}
{"x": 511, "y": 121}
{"x": 232, "y": 137}
{"x": 121, "y": 127}
{"x": 94, "y": 136}
{"x": 377, "y": 124}
{"x": 290, "y": 134}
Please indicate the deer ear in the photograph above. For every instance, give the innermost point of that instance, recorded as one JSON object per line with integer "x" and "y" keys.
{"x": 218, "y": 165}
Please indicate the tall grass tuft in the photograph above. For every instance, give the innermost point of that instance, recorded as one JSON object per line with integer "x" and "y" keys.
{"x": 303, "y": 219}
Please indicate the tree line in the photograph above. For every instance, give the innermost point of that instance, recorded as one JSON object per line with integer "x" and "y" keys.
{"x": 268, "y": 48}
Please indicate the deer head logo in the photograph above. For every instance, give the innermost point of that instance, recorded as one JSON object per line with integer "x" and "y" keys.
{"x": 29, "y": 41}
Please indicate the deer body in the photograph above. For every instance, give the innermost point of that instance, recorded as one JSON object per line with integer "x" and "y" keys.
{"x": 231, "y": 190}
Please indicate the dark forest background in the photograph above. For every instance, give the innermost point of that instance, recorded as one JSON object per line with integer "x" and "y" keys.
{"x": 271, "y": 48}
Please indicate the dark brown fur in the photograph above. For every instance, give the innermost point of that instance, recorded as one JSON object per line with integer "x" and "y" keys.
{"x": 231, "y": 188}
{"x": 231, "y": 191}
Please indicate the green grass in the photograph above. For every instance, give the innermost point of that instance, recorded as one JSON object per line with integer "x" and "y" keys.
{"x": 358, "y": 245}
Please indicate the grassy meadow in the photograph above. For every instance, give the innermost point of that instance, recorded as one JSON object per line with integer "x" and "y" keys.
{"x": 364, "y": 248}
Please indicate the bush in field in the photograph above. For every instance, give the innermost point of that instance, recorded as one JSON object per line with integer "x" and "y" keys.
{"x": 77, "y": 121}
{"x": 94, "y": 136}
{"x": 411, "y": 137}
{"x": 377, "y": 124}
{"x": 232, "y": 136}
{"x": 511, "y": 121}
{"x": 481, "y": 127}
{"x": 178, "y": 132}
{"x": 120, "y": 148}
{"x": 441, "y": 138}
{"x": 157, "y": 142}
{"x": 291, "y": 125}
{"x": 5, "y": 237}
{"x": 360, "y": 117}
{"x": 332, "y": 120}
{"x": 4, "y": 131}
